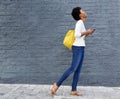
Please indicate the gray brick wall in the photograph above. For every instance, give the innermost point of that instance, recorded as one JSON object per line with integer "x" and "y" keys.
{"x": 31, "y": 35}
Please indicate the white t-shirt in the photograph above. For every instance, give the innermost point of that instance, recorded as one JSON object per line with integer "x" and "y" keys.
{"x": 79, "y": 28}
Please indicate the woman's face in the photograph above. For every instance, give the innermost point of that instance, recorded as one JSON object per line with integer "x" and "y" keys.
{"x": 83, "y": 14}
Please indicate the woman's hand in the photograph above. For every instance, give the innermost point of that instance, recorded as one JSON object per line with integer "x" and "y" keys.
{"x": 90, "y": 31}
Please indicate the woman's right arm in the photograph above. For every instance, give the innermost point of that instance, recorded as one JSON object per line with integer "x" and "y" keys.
{"x": 88, "y": 32}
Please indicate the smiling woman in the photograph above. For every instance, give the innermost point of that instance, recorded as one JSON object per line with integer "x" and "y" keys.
{"x": 78, "y": 52}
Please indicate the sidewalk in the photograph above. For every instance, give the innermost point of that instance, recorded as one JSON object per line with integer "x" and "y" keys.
{"x": 26, "y": 91}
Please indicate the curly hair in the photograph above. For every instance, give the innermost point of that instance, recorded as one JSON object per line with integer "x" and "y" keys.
{"x": 76, "y": 12}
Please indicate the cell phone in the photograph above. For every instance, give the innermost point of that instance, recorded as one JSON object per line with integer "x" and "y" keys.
{"x": 94, "y": 29}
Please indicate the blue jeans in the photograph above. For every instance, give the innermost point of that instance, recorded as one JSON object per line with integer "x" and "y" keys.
{"x": 77, "y": 60}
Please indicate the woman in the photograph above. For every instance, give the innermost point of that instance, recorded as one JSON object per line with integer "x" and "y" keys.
{"x": 78, "y": 51}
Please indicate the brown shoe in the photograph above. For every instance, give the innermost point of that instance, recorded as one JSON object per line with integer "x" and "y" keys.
{"x": 54, "y": 89}
{"x": 76, "y": 93}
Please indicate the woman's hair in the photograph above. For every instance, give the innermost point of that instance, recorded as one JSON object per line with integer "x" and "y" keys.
{"x": 76, "y": 13}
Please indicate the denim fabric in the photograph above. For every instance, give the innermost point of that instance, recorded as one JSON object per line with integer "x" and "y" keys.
{"x": 77, "y": 60}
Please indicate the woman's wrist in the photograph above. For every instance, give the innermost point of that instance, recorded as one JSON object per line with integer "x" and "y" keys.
{"x": 85, "y": 33}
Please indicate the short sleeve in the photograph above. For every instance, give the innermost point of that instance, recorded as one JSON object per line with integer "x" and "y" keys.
{"x": 78, "y": 29}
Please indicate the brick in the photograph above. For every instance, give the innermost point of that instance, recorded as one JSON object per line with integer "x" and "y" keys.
{"x": 31, "y": 35}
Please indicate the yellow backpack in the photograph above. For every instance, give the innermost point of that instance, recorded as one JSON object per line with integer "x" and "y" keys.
{"x": 69, "y": 39}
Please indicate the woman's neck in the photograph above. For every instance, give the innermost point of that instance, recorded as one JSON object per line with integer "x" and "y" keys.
{"x": 83, "y": 19}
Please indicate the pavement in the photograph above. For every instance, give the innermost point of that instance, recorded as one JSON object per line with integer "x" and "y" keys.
{"x": 29, "y": 91}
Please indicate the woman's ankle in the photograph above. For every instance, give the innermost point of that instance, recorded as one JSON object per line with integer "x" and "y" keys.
{"x": 55, "y": 86}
